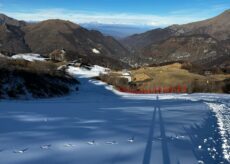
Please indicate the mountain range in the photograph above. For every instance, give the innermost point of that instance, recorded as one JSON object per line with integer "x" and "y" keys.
{"x": 47, "y": 36}
{"x": 118, "y": 31}
{"x": 205, "y": 43}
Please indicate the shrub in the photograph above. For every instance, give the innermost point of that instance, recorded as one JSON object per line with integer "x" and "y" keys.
{"x": 41, "y": 79}
{"x": 226, "y": 86}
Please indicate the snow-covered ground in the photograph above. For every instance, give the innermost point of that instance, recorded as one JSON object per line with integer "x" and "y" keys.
{"x": 100, "y": 125}
{"x": 96, "y": 51}
{"x": 86, "y": 73}
{"x": 223, "y": 117}
{"x": 29, "y": 57}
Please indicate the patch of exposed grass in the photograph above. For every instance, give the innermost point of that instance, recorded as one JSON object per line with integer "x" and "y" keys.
{"x": 174, "y": 75}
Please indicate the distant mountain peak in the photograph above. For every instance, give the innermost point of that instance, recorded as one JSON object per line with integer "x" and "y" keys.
{"x": 226, "y": 11}
{"x": 57, "y": 21}
{"x": 225, "y": 16}
{"x": 53, "y": 25}
{"x": 4, "y": 19}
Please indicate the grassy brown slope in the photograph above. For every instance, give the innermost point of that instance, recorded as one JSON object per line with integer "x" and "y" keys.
{"x": 171, "y": 76}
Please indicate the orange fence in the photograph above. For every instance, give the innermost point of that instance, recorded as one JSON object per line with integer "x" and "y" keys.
{"x": 174, "y": 89}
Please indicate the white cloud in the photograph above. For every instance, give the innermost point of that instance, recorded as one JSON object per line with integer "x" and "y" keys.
{"x": 206, "y": 12}
{"x": 105, "y": 18}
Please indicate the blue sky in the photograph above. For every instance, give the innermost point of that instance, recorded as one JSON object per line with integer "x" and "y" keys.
{"x": 130, "y": 12}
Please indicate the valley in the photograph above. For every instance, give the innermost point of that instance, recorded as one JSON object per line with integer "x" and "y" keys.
{"x": 200, "y": 47}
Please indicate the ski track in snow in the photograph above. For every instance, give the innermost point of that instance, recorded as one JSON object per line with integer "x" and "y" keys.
{"x": 223, "y": 117}
{"x": 222, "y": 111}
{"x": 120, "y": 145}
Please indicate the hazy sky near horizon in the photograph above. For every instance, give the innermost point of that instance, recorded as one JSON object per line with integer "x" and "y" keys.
{"x": 127, "y": 12}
